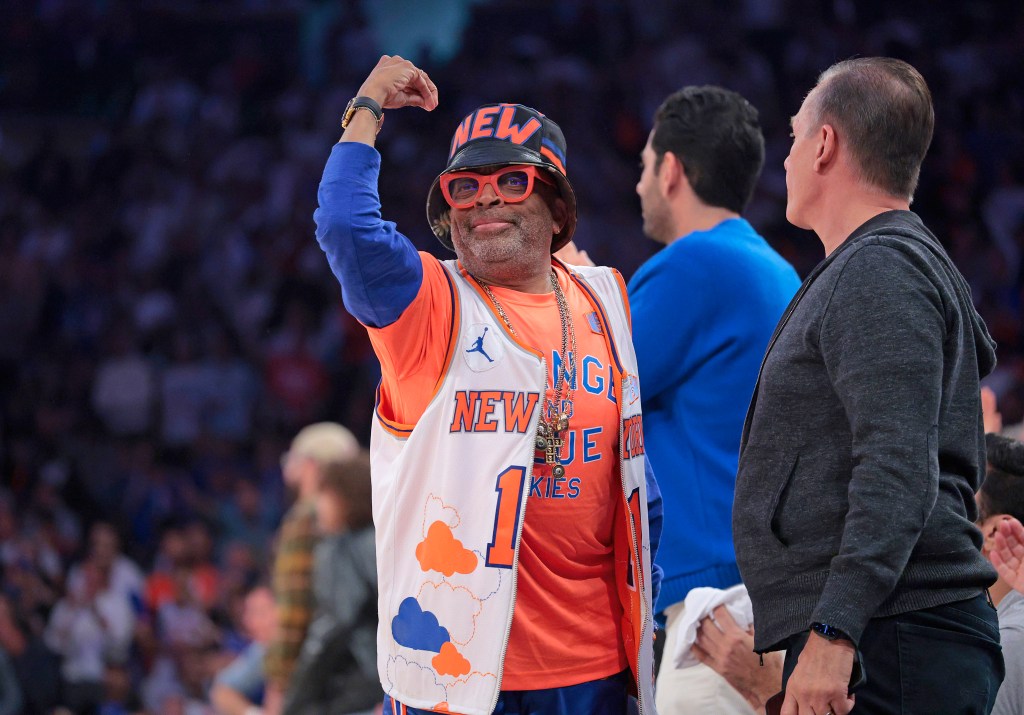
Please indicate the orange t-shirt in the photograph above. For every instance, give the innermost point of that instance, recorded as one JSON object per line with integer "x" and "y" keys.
{"x": 565, "y": 629}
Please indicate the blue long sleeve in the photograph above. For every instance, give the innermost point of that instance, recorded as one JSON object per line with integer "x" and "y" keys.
{"x": 655, "y": 521}
{"x": 703, "y": 311}
{"x": 378, "y": 268}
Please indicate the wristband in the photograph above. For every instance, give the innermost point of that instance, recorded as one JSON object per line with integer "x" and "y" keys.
{"x": 829, "y": 632}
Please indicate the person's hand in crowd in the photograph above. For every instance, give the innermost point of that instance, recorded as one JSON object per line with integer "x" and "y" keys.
{"x": 1008, "y": 554}
{"x": 729, "y": 650}
{"x": 571, "y": 254}
{"x": 990, "y": 414}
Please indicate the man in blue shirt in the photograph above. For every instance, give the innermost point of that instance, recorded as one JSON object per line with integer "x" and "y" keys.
{"x": 703, "y": 311}
{"x": 238, "y": 688}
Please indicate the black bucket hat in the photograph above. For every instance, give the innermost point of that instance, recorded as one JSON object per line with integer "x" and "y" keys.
{"x": 502, "y": 135}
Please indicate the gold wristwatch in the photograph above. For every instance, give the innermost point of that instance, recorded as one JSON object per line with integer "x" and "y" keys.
{"x": 357, "y": 103}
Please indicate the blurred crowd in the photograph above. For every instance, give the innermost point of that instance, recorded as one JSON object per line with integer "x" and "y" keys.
{"x": 167, "y": 321}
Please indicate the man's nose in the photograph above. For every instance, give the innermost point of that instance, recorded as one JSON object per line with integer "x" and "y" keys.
{"x": 488, "y": 196}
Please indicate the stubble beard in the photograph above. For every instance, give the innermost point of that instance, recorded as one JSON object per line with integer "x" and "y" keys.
{"x": 502, "y": 257}
{"x": 656, "y": 224}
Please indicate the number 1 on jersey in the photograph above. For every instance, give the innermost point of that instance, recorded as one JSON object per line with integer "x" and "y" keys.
{"x": 502, "y": 549}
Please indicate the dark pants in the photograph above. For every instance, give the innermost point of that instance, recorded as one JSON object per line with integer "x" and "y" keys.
{"x": 606, "y": 696}
{"x": 942, "y": 660}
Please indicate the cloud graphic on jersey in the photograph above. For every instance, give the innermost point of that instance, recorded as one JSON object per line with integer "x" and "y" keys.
{"x": 450, "y": 661}
{"x": 437, "y": 510}
{"x": 461, "y": 605}
{"x": 464, "y": 689}
{"x": 416, "y": 629}
{"x": 441, "y": 551}
{"x": 484, "y": 583}
{"x": 420, "y": 678}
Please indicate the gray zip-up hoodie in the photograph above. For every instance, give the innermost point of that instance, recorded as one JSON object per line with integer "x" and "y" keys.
{"x": 337, "y": 668}
{"x": 863, "y": 445}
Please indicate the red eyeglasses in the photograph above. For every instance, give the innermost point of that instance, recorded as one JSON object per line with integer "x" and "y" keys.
{"x": 512, "y": 183}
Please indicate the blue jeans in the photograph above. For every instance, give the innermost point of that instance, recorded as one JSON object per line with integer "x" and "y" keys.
{"x": 944, "y": 659}
{"x": 606, "y": 696}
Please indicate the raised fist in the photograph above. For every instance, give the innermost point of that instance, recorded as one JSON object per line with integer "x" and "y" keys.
{"x": 396, "y": 82}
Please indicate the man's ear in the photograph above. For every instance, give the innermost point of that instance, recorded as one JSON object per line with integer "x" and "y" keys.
{"x": 670, "y": 173}
{"x": 827, "y": 149}
{"x": 988, "y": 530}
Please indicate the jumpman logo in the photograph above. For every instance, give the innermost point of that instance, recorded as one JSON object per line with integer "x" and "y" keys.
{"x": 478, "y": 346}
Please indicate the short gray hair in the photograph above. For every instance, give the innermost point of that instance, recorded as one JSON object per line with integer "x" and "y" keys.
{"x": 883, "y": 108}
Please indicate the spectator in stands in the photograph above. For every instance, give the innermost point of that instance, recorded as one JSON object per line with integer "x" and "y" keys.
{"x": 204, "y": 576}
{"x": 124, "y": 391}
{"x": 238, "y": 689}
{"x": 313, "y": 448}
{"x": 729, "y": 650}
{"x": 1001, "y": 499}
{"x": 337, "y": 668}
{"x": 89, "y": 628}
{"x": 36, "y": 667}
{"x": 124, "y": 577}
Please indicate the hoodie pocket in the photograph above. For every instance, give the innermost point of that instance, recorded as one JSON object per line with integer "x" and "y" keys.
{"x": 773, "y": 511}
{"x": 809, "y": 510}
{"x": 762, "y": 476}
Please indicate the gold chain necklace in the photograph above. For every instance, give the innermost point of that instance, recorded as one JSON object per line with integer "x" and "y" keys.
{"x": 554, "y": 420}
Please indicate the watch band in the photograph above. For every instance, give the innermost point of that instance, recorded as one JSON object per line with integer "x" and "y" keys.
{"x": 828, "y": 632}
{"x": 370, "y": 105}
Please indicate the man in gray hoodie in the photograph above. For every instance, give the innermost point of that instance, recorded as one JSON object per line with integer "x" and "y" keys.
{"x": 863, "y": 444}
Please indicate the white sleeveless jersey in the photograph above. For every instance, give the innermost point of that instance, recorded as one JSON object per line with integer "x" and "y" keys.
{"x": 450, "y": 496}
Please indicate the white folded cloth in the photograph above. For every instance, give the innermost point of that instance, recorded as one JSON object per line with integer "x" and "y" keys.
{"x": 699, "y": 604}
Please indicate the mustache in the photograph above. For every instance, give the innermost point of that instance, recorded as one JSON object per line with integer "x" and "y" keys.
{"x": 490, "y": 216}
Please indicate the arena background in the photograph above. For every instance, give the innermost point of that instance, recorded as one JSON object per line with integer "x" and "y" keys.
{"x": 167, "y": 320}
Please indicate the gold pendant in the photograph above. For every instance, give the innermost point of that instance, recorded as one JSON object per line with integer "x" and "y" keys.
{"x": 552, "y": 448}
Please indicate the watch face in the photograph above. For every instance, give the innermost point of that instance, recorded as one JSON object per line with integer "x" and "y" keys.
{"x": 824, "y": 630}
{"x": 352, "y": 107}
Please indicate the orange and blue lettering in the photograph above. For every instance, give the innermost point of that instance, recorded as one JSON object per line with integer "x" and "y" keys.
{"x": 461, "y": 135}
{"x": 574, "y": 487}
{"x": 487, "y": 400}
{"x": 519, "y": 407}
{"x": 590, "y": 444}
{"x": 493, "y": 410}
{"x": 514, "y": 133}
{"x": 465, "y": 408}
{"x": 593, "y": 380}
{"x": 633, "y": 436}
{"x": 557, "y": 369}
{"x": 501, "y": 551}
{"x": 551, "y": 487}
{"x": 482, "y": 123}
